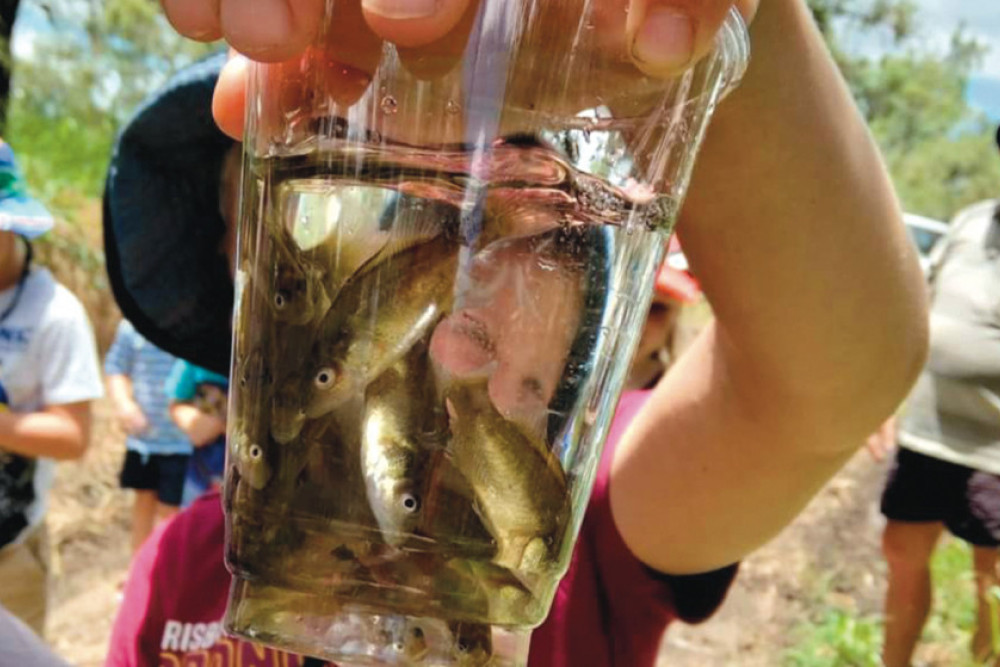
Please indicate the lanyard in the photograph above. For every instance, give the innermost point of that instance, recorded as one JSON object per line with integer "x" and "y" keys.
{"x": 20, "y": 284}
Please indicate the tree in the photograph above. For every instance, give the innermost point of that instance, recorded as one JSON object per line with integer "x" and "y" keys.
{"x": 94, "y": 61}
{"x": 938, "y": 149}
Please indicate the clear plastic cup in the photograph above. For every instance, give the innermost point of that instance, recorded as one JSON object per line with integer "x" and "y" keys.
{"x": 445, "y": 259}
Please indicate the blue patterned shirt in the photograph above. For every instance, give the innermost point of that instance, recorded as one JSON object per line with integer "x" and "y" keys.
{"x": 148, "y": 367}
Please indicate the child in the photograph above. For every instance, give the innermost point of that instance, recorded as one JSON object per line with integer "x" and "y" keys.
{"x": 946, "y": 473}
{"x": 157, "y": 452}
{"x": 49, "y": 375}
{"x": 714, "y": 461}
{"x": 198, "y": 407}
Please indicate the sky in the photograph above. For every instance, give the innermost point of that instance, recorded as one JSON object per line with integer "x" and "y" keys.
{"x": 937, "y": 20}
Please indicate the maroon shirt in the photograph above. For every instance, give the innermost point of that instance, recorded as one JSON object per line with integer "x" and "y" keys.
{"x": 610, "y": 609}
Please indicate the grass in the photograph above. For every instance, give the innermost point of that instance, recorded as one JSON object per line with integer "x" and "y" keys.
{"x": 837, "y": 636}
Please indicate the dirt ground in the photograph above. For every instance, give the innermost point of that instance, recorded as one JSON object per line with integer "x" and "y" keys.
{"x": 829, "y": 553}
{"x": 88, "y": 524}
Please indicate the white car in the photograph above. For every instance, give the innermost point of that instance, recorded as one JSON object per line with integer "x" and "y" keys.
{"x": 925, "y": 233}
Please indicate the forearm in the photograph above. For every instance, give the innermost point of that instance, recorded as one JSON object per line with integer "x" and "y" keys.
{"x": 200, "y": 428}
{"x": 120, "y": 390}
{"x": 793, "y": 227}
{"x": 45, "y": 434}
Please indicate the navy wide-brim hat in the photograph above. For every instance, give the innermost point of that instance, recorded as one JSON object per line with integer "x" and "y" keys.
{"x": 163, "y": 228}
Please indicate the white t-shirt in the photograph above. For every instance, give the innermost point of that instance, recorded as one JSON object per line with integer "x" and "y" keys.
{"x": 47, "y": 357}
{"x": 20, "y": 646}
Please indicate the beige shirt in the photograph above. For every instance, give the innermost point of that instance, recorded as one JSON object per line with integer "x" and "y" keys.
{"x": 953, "y": 412}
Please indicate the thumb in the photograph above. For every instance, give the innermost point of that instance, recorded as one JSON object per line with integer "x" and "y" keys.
{"x": 413, "y": 23}
{"x": 666, "y": 36}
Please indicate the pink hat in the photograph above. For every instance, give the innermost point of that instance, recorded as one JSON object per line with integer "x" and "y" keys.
{"x": 674, "y": 280}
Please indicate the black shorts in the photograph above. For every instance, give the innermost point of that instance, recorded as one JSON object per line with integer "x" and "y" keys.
{"x": 163, "y": 473}
{"x": 921, "y": 488}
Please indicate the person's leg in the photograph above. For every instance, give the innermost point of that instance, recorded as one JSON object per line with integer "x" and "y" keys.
{"x": 144, "y": 514}
{"x": 139, "y": 474}
{"x": 922, "y": 495}
{"x": 984, "y": 560}
{"x": 907, "y": 548}
{"x": 173, "y": 469}
{"x": 979, "y": 525}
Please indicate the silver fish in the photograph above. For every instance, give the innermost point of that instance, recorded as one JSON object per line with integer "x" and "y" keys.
{"x": 391, "y": 308}
{"x": 402, "y": 432}
{"x": 520, "y": 486}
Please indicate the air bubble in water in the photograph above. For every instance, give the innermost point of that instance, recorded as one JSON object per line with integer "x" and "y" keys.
{"x": 389, "y": 104}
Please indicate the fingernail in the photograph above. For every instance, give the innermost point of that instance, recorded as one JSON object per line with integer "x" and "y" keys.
{"x": 665, "y": 39}
{"x": 401, "y": 9}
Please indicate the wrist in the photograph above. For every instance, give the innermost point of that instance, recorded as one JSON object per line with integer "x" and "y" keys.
{"x": 125, "y": 406}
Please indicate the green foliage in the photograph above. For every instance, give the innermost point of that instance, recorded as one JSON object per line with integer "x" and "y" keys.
{"x": 837, "y": 640}
{"x": 954, "y": 615}
{"x": 837, "y": 636}
{"x": 835, "y": 17}
{"x": 938, "y": 149}
{"x": 91, "y": 67}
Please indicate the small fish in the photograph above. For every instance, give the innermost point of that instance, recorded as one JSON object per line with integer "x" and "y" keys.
{"x": 363, "y": 235}
{"x": 404, "y": 637}
{"x": 297, "y": 292}
{"x": 402, "y": 432}
{"x": 383, "y": 308}
{"x": 390, "y": 309}
{"x": 448, "y": 515}
{"x": 290, "y": 359}
{"x": 520, "y": 486}
{"x": 472, "y": 643}
{"x": 288, "y": 418}
{"x": 251, "y": 461}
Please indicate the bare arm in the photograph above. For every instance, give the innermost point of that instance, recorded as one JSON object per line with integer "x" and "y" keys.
{"x": 130, "y": 415}
{"x": 120, "y": 390}
{"x": 57, "y": 432}
{"x": 793, "y": 227}
{"x": 201, "y": 428}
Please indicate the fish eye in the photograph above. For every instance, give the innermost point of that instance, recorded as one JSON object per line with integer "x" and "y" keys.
{"x": 325, "y": 378}
{"x": 411, "y": 503}
{"x": 256, "y": 452}
{"x": 418, "y": 632}
{"x": 280, "y": 300}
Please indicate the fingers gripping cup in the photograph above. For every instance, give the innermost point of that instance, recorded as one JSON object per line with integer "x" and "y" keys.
{"x": 445, "y": 258}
